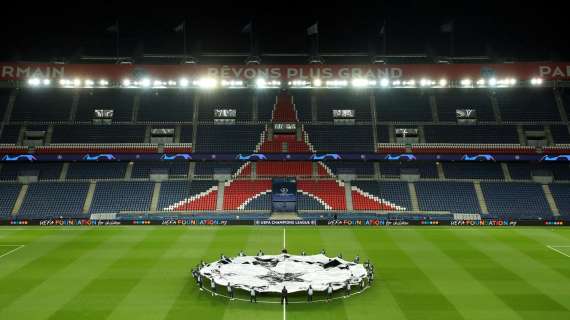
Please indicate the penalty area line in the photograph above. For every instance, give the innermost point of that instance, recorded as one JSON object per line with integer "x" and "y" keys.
{"x": 18, "y": 247}
{"x": 561, "y": 252}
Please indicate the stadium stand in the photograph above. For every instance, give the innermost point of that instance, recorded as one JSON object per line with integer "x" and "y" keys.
{"x": 515, "y": 198}
{"x": 561, "y": 194}
{"x": 226, "y": 138}
{"x": 458, "y": 170}
{"x": 527, "y": 105}
{"x": 47, "y": 170}
{"x": 113, "y": 170}
{"x": 54, "y": 199}
{"x": 8, "y": 194}
{"x": 451, "y": 100}
{"x": 116, "y": 196}
{"x": 412, "y": 106}
{"x": 448, "y": 196}
{"x": 166, "y": 106}
{"x": 120, "y": 101}
{"x": 470, "y": 134}
{"x": 358, "y": 101}
{"x": 240, "y": 100}
{"x": 98, "y": 134}
{"x": 42, "y": 105}
{"x": 143, "y": 169}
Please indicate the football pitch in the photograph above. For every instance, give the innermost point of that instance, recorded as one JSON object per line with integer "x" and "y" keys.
{"x": 421, "y": 273}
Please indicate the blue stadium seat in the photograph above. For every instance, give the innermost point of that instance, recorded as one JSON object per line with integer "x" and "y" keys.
{"x": 119, "y": 100}
{"x": 470, "y": 134}
{"x": 163, "y": 105}
{"x": 142, "y": 169}
{"x": 395, "y": 192}
{"x": 359, "y": 101}
{"x": 10, "y": 134}
{"x": 329, "y": 138}
{"x": 449, "y": 101}
{"x": 527, "y": 105}
{"x": 42, "y": 105}
{"x": 241, "y": 100}
{"x": 472, "y": 170}
{"x": 403, "y": 105}
{"x": 54, "y": 199}
{"x": 561, "y": 194}
{"x": 515, "y": 198}
{"x": 98, "y": 134}
{"x": 97, "y": 170}
{"x": 172, "y": 192}
{"x": 47, "y": 170}
{"x": 8, "y": 195}
{"x": 393, "y": 169}
{"x": 115, "y": 196}
{"x": 455, "y": 197}
{"x": 305, "y": 202}
{"x": 302, "y": 101}
{"x": 228, "y": 138}
{"x": 263, "y": 202}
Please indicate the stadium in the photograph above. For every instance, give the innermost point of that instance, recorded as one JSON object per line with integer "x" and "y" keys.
{"x": 219, "y": 184}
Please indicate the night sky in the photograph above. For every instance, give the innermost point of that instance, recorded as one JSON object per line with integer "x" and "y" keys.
{"x": 507, "y": 30}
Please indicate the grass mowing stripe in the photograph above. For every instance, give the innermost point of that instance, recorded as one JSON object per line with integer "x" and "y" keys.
{"x": 425, "y": 301}
{"x": 371, "y": 243}
{"x": 65, "y": 283}
{"x": 539, "y": 253}
{"x": 476, "y": 254}
{"x": 190, "y": 301}
{"x": 169, "y": 273}
{"x": 270, "y": 240}
{"x": 457, "y": 276}
{"x": 41, "y": 260}
{"x": 101, "y": 295}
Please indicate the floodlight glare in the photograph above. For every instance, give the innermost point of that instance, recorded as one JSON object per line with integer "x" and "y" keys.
{"x": 183, "y": 82}
{"x": 103, "y": 83}
{"x": 46, "y": 82}
{"x": 207, "y": 83}
{"x": 396, "y": 83}
{"x": 126, "y": 82}
{"x": 536, "y": 81}
{"x": 512, "y": 81}
{"x": 493, "y": 82}
{"x": 481, "y": 82}
{"x": 466, "y": 82}
{"x": 34, "y": 82}
{"x": 260, "y": 83}
{"x": 359, "y": 83}
{"x": 145, "y": 82}
{"x": 77, "y": 82}
{"x": 62, "y": 82}
{"x": 385, "y": 82}
{"x": 89, "y": 83}
{"x": 317, "y": 82}
{"x": 424, "y": 82}
{"x": 157, "y": 83}
{"x": 442, "y": 82}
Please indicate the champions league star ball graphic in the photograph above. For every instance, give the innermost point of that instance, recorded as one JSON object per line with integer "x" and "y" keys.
{"x": 270, "y": 273}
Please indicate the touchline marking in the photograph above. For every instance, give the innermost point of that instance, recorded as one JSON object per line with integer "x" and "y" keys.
{"x": 18, "y": 247}
{"x": 284, "y": 304}
{"x": 284, "y": 245}
{"x": 562, "y": 253}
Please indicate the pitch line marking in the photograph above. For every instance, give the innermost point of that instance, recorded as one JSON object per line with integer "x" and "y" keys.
{"x": 562, "y": 253}
{"x": 18, "y": 247}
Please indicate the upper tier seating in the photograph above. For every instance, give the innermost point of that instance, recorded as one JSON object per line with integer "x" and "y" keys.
{"x": 8, "y": 195}
{"x": 98, "y": 134}
{"x": 302, "y": 102}
{"x": 228, "y": 138}
{"x": 4, "y": 98}
{"x": 266, "y": 100}
{"x": 54, "y": 199}
{"x": 393, "y": 169}
{"x": 42, "y": 105}
{"x": 209, "y": 167}
{"x": 329, "y": 138}
{"x": 470, "y": 134}
{"x": 359, "y": 168}
{"x": 560, "y": 134}
{"x": 121, "y": 101}
{"x": 403, "y": 105}
{"x": 455, "y": 197}
{"x": 173, "y": 106}
{"x": 241, "y": 100}
{"x": 451, "y": 100}
{"x": 527, "y": 105}
{"x": 10, "y": 134}
{"x": 359, "y": 101}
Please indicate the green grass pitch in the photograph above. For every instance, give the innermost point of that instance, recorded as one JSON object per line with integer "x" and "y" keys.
{"x": 421, "y": 273}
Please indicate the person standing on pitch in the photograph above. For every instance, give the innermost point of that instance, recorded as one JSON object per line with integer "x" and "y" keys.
{"x": 284, "y": 296}
{"x": 213, "y": 287}
{"x": 260, "y": 253}
{"x": 200, "y": 281}
{"x": 329, "y": 292}
{"x": 310, "y": 294}
{"x": 252, "y": 297}
{"x": 303, "y": 253}
{"x": 347, "y": 289}
{"x": 241, "y": 254}
{"x": 357, "y": 259}
{"x": 323, "y": 251}
{"x": 230, "y": 291}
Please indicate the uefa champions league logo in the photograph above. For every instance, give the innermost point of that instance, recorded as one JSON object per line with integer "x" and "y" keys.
{"x": 284, "y": 190}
